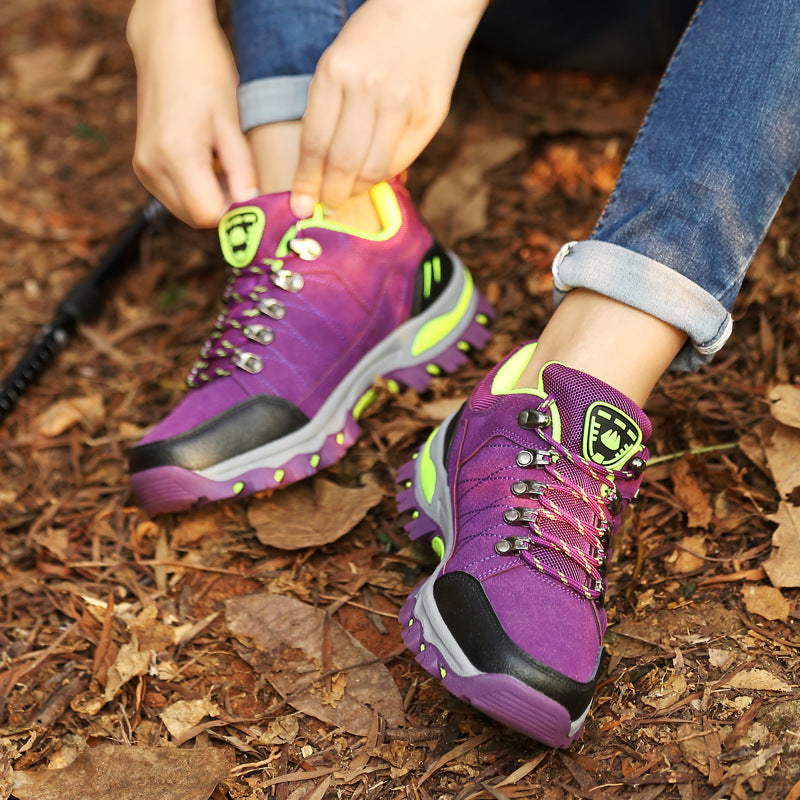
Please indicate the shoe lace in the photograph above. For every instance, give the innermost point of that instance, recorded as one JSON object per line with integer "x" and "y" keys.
{"x": 249, "y": 309}
{"x": 604, "y": 503}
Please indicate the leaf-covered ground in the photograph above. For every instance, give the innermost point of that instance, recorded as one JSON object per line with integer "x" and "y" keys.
{"x": 153, "y": 657}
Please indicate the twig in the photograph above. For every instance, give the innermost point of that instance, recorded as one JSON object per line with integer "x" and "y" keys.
{"x": 695, "y": 451}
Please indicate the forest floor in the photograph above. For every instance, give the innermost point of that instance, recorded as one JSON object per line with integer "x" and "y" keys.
{"x": 134, "y": 661}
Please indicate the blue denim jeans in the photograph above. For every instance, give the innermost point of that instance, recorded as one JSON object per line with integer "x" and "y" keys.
{"x": 713, "y": 159}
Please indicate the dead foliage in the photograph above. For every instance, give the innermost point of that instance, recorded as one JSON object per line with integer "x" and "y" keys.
{"x": 154, "y": 655}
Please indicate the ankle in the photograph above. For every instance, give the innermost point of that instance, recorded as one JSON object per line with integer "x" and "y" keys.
{"x": 618, "y": 344}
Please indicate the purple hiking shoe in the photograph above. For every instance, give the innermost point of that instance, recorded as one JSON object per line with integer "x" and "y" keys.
{"x": 520, "y": 494}
{"x": 313, "y": 312}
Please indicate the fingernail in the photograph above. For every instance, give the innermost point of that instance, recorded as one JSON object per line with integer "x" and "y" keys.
{"x": 302, "y": 206}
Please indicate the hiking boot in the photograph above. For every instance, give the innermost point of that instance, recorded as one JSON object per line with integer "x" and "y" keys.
{"x": 520, "y": 494}
{"x": 313, "y": 312}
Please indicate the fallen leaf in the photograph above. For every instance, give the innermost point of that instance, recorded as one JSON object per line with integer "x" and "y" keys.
{"x": 694, "y": 499}
{"x": 312, "y": 513}
{"x": 131, "y": 662}
{"x": 63, "y": 414}
{"x": 785, "y": 406}
{"x": 689, "y": 554}
{"x": 51, "y": 70}
{"x": 455, "y": 204}
{"x": 282, "y": 639}
{"x": 783, "y": 565}
{"x": 719, "y": 658}
{"x": 766, "y": 601}
{"x": 669, "y": 692}
{"x": 115, "y": 772}
{"x": 183, "y": 715}
{"x": 758, "y": 680}
{"x": 781, "y": 446}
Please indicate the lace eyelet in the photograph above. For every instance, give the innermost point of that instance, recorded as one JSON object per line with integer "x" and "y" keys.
{"x": 248, "y": 362}
{"x": 287, "y": 280}
{"x": 527, "y": 489}
{"x": 260, "y": 334}
{"x": 272, "y": 308}
{"x": 534, "y": 458}
{"x": 307, "y": 249}
{"x": 532, "y": 418}
{"x": 636, "y": 465}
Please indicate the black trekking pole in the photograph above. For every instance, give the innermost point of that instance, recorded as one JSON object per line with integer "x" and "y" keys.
{"x": 81, "y": 304}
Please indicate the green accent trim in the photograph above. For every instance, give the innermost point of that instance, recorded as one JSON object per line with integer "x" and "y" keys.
{"x": 279, "y": 473}
{"x": 393, "y": 386}
{"x": 410, "y": 623}
{"x": 433, "y": 369}
{"x": 505, "y": 381}
{"x": 422, "y": 647}
{"x": 426, "y": 279}
{"x": 443, "y": 672}
{"x": 415, "y": 514}
{"x": 238, "y": 487}
{"x": 433, "y": 331}
{"x": 363, "y": 403}
{"x": 437, "y": 545}
{"x": 240, "y": 232}
{"x": 339, "y": 438}
{"x": 437, "y": 269}
{"x": 481, "y": 319}
{"x": 386, "y": 206}
{"x": 427, "y": 469}
{"x": 314, "y": 460}
{"x": 463, "y": 346}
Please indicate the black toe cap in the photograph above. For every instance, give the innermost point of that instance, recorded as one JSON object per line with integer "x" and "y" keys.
{"x": 469, "y": 616}
{"x": 250, "y": 424}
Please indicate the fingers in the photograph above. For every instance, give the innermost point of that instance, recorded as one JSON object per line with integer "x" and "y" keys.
{"x": 236, "y": 160}
{"x": 181, "y": 172}
{"x": 319, "y": 125}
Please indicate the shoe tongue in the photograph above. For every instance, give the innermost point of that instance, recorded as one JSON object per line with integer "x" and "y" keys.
{"x": 597, "y": 421}
{"x": 254, "y": 228}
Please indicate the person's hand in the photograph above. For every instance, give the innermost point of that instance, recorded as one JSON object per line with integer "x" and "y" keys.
{"x": 190, "y": 151}
{"x": 379, "y": 94}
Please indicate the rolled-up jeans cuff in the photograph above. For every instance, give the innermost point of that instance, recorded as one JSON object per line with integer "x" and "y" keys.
{"x": 650, "y": 286}
{"x": 266, "y": 100}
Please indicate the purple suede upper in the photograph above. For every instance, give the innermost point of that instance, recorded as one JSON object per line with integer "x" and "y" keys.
{"x": 553, "y": 622}
{"x": 354, "y": 294}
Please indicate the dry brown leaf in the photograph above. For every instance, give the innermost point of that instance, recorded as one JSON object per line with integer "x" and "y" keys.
{"x": 781, "y": 446}
{"x": 131, "y": 662}
{"x": 51, "y": 70}
{"x": 456, "y": 203}
{"x": 312, "y": 513}
{"x": 785, "y": 406}
{"x": 688, "y": 555}
{"x": 759, "y": 680}
{"x": 115, "y": 772}
{"x": 783, "y": 565}
{"x": 183, "y": 715}
{"x": 63, "y": 414}
{"x": 766, "y": 601}
{"x": 282, "y": 639}
{"x": 694, "y": 499}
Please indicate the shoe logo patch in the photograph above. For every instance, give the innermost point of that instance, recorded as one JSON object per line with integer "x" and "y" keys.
{"x": 240, "y": 232}
{"x": 609, "y": 436}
